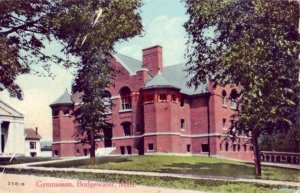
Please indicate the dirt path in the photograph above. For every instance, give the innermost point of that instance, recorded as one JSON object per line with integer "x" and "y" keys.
{"x": 16, "y": 183}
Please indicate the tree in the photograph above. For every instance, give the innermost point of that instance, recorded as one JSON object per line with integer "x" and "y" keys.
{"x": 252, "y": 43}
{"x": 91, "y": 116}
{"x": 86, "y": 29}
{"x": 27, "y": 26}
{"x": 24, "y": 28}
{"x": 120, "y": 20}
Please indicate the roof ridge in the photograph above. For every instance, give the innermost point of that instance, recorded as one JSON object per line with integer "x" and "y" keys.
{"x": 174, "y": 65}
{"x": 129, "y": 57}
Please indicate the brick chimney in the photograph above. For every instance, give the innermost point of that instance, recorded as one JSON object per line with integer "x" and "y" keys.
{"x": 36, "y": 130}
{"x": 152, "y": 59}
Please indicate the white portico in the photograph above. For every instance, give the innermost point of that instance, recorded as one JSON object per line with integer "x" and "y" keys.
{"x": 12, "y": 140}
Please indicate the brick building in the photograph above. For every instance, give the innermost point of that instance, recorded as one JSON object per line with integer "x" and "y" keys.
{"x": 155, "y": 112}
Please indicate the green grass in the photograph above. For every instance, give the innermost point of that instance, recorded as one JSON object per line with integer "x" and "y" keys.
{"x": 19, "y": 160}
{"x": 168, "y": 182}
{"x": 195, "y": 165}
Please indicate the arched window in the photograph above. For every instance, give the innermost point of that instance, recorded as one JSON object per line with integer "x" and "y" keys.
{"x": 127, "y": 128}
{"x": 224, "y": 97}
{"x": 233, "y": 98}
{"x": 125, "y": 98}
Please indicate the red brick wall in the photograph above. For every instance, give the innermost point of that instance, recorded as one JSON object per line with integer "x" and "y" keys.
{"x": 158, "y": 117}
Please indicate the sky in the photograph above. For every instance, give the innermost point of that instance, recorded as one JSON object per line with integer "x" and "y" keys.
{"x": 163, "y": 25}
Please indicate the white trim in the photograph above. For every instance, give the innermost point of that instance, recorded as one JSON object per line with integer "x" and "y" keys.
{"x": 125, "y": 110}
{"x": 170, "y": 133}
{"x": 60, "y": 142}
{"x": 115, "y": 97}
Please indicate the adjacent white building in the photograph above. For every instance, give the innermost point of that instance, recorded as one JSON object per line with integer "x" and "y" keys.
{"x": 32, "y": 142}
{"x": 12, "y": 134}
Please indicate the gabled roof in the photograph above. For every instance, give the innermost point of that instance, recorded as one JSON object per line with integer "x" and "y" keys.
{"x": 130, "y": 64}
{"x": 65, "y": 98}
{"x": 31, "y": 134}
{"x": 9, "y": 111}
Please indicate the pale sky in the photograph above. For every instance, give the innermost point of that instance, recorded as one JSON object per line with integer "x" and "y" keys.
{"x": 162, "y": 20}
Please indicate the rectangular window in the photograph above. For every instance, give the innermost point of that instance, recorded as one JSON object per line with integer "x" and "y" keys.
{"x": 205, "y": 147}
{"x": 122, "y": 148}
{"x": 150, "y": 147}
{"x": 174, "y": 96}
{"x": 55, "y": 152}
{"x": 127, "y": 128}
{"x": 149, "y": 97}
{"x": 232, "y": 103}
{"x": 182, "y": 123}
{"x": 66, "y": 112}
{"x": 181, "y": 101}
{"x": 32, "y": 145}
{"x": 224, "y": 123}
{"x": 234, "y": 147}
{"x": 245, "y": 147}
{"x": 188, "y": 148}
{"x": 226, "y": 146}
{"x": 223, "y": 101}
{"x": 238, "y": 147}
{"x": 55, "y": 113}
{"x": 162, "y": 98}
{"x": 129, "y": 150}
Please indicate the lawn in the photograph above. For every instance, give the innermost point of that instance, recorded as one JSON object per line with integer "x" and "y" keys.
{"x": 195, "y": 165}
{"x": 168, "y": 182}
{"x": 19, "y": 160}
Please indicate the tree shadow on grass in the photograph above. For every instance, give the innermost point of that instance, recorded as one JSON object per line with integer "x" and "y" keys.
{"x": 211, "y": 169}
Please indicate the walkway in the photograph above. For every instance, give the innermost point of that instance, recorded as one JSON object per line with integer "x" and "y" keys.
{"x": 187, "y": 176}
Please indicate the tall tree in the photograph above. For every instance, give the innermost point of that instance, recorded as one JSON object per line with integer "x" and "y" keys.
{"x": 252, "y": 43}
{"x": 86, "y": 29}
{"x": 113, "y": 21}
{"x": 27, "y": 27}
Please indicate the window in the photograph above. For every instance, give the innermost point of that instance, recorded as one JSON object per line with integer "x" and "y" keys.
{"x": 85, "y": 152}
{"x": 205, "y": 148}
{"x": 233, "y": 104}
{"x": 55, "y": 152}
{"x": 32, "y": 145}
{"x": 162, "y": 98}
{"x": 224, "y": 98}
{"x": 66, "y": 112}
{"x": 188, "y": 148}
{"x": 233, "y": 98}
{"x": 226, "y": 146}
{"x": 224, "y": 123}
{"x": 174, "y": 96}
{"x": 238, "y": 147}
{"x": 149, "y": 97}
{"x": 125, "y": 98}
{"x": 245, "y": 147}
{"x": 129, "y": 149}
{"x": 220, "y": 146}
{"x": 182, "y": 123}
{"x": 150, "y": 147}
{"x": 122, "y": 149}
{"x": 234, "y": 147}
{"x": 55, "y": 113}
{"x": 127, "y": 128}
{"x": 77, "y": 152}
{"x": 181, "y": 101}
